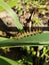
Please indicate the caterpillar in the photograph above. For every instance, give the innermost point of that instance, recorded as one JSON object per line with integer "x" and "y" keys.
{"x": 26, "y": 33}
{"x": 19, "y": 35}
{"x": 8, "y": 26}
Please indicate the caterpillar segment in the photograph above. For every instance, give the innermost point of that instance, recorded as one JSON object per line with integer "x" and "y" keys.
{"x": 27, "y": 33}
{"x": 3, "y": 34}
{"x": 19, "y": 35}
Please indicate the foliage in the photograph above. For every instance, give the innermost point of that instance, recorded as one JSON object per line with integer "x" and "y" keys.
{"x": 31, "y": 54}
{"x": 36, "y": 20}
{"x": 7, "y": 61}
{"x": 10, "y": 3}
{"x": 12, "y": 13}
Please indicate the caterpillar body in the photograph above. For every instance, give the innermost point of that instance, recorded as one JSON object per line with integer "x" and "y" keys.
{"x": 27, "y": 32}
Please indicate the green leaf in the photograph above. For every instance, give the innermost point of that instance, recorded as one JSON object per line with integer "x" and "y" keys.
{"x": 45, "y": 51}
{"x": 35, "y": 2}
{"x": 36, "y": 20}
{"x": 34, "y": 40}
{"x": 7, "y": 61}
{"x": 11, "y": 3}
{"x": 12, "y": 13}
{"x": 45, "y": 63}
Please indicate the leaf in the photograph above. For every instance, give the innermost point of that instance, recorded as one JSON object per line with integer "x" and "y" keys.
{"x": 7, "y": 61}
{"x": 45, "y": 63}
{"x": 34, "y": 40}
{"x": 12, "y": 13}
{"x": 45, "y": 51}
{"x": 36, "y": 20}
{"x": 11, "y": 3}
{"x": 35, "y": 2}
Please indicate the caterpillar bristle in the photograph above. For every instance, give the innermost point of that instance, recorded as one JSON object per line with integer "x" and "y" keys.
{"x": 22, "y": 35}
{"x": 27, "y": 33}
{"x": 34, "y": 31}
{"x": 37, "y": 30}
{"x": 40, "y": 31}
{"x": 31, "y": 33}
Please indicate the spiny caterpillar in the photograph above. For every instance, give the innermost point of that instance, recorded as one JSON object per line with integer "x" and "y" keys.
{"x": 19, "y": 35}
{"x": 26, "y": 33}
